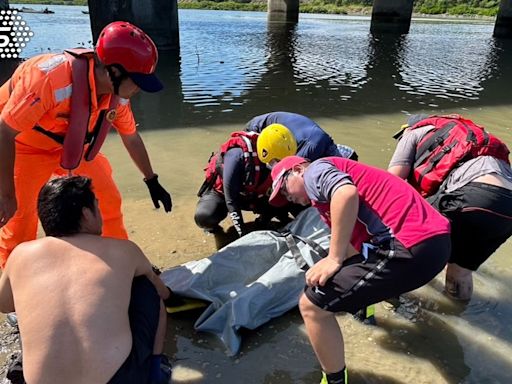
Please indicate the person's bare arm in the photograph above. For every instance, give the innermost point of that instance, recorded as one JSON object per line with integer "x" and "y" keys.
{"x": 8, "y": 203}
{"x": 402, "y": 171}
{"x": 6, "y": 296}
{"x": 163, "y": 291}
{"x": 403, "y": 158}
{"x": 137, "y": 150}
{"x": 144, "y": 268}
{"x": 344, "y": 207}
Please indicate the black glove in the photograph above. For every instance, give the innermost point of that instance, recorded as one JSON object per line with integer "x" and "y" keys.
{"x": 238, "y": 222}
{"x": 158, "y": 193}
{"x": 261, "y": 206}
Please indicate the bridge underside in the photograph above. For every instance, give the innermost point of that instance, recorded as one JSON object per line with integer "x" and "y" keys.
{"x": 391, "y": 16}
{"x": 503, "y": 26}
{"x": 283, "y": 10}
{"x": 159, "y": 18}
{"x": 388, "y": 16}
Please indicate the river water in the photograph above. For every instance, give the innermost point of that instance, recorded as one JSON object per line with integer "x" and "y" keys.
{"x": 234, "y": 65}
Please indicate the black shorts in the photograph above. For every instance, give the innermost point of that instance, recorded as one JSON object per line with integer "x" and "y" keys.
{"x": 144, "y": 314}
{"x": 481, "y": 220}
{"x": 389, "y": 271}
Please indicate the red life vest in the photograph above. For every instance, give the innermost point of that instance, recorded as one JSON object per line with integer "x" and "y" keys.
{"x": 453, "y": 141}
{"x": 77, "y": 135}
{"x": 254, "y": 185}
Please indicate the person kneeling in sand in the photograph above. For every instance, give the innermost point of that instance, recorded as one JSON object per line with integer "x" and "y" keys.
{"x": 89, "y": 308}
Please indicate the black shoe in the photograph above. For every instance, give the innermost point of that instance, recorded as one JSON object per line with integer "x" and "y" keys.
{"x": 165, "y": 370}
{"x": 15, "y": 369}
{"x": 215, "y": 230}
{"x": 366, "y": 315}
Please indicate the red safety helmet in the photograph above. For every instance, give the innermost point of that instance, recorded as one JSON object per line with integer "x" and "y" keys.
{"x": 124, "y": 44}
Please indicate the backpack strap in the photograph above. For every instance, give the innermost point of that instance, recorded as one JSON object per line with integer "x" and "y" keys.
{"x": 434, "y": 141}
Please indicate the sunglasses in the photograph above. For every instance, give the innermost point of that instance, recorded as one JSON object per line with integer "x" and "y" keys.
{"x": 284, "y": 186}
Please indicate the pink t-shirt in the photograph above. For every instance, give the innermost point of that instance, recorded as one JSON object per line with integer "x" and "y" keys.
{"x": 388, "y": 206}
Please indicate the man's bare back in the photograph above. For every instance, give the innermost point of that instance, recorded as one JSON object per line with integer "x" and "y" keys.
{"x": 82, "y": 314}
{"x": 72, "y": 296}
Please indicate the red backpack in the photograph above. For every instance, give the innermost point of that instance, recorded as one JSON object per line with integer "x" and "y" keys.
{"x": 453, "y": 141}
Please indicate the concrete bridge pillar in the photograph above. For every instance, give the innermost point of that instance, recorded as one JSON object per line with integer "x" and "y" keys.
{"x": 283, "y": 10}
{"x": 158, "y": 18}
{"x": 503, "y": 26}
{"x": 391, "y": 16}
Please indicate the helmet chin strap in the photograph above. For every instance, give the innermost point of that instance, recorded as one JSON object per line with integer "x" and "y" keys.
{"x": 116, "y": 80}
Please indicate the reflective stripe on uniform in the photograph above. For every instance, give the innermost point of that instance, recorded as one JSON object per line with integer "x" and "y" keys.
{"x": 55, "y": 61}
{"x": 248, "y": 143}
{"x": 62, "y": 94}
{"x": 250, "y": 150}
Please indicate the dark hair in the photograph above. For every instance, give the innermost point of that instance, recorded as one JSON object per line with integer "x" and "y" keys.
{"x": 60, "y": 204}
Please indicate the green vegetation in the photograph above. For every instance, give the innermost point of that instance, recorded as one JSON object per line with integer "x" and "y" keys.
{"x": 431, "y": 7}
{"x": 228, "y": 5}
{"x": 458, "y": 7}
{"x": 336, "y": 7}
{"x": 50, "y": 2}
{"x": 314, "y": 6}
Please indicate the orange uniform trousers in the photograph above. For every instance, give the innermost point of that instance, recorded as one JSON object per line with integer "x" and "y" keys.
{"x": 32, "y": 169}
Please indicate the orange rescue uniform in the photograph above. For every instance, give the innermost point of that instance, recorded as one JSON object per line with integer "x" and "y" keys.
{"x": 39, "y": 94}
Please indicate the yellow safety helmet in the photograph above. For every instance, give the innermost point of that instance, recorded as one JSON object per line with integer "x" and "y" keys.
{"x": 275, "y": 142}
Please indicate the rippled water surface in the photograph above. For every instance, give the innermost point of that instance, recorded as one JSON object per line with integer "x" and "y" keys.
{"x": 360, "y": 88}
{"x": 235, "y": 64}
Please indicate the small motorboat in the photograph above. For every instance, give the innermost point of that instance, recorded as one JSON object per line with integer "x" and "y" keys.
{"x": 32, "y": 10}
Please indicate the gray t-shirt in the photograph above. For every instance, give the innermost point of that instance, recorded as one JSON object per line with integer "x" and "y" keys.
{"x": 322, "y": 178}
{"x": 405, "y": 154}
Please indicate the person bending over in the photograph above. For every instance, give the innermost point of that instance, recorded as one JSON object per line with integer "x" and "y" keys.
{"x": 286, "y": 134}
{"x": 464, "y": 172}
{"x": 55, "y": 113}
{"x": 235, "y": 181}
{"x": 401, "y": 243}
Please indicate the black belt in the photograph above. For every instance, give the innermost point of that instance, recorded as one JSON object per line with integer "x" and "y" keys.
{"x": 60, "y": 138}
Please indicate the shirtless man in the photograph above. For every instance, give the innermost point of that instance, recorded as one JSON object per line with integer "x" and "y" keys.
{"x": 89, "y": 308}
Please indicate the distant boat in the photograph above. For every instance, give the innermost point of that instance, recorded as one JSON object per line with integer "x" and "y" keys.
{"x": 85, "y": 12}
{"x": 32, "y": 10}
